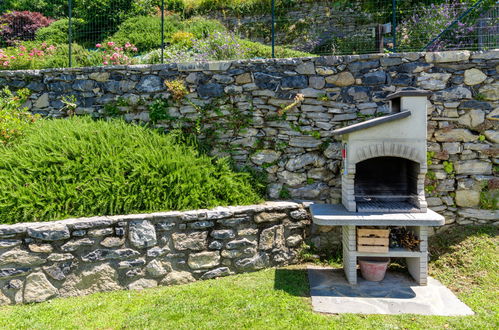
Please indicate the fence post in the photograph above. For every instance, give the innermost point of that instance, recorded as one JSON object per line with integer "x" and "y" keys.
{"x": 70, "y": 32}
{"x": 162, "y": 31}
{"x": 394, "y": 24}
{"x": 273, "y": 28}
{"x": 380, "y": 44}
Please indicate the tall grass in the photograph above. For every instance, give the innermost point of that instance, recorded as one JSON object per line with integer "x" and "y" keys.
{"x": 80, "y": 167}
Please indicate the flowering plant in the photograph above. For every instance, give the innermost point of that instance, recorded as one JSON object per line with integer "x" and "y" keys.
{"x": 113, "y": 54}
{"x": 25, "y": 56}
{"x": 219, "y": 46}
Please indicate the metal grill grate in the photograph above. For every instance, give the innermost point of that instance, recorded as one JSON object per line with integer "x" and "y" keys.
{"x": 387, "y": 207}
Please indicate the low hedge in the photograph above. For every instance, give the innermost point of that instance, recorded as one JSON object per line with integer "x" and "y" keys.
{"x": 81, "y": 167}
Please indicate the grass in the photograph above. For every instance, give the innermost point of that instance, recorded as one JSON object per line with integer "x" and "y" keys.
{"x": 275, "y": 299}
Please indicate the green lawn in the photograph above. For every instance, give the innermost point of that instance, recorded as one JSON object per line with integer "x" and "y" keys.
{"x": 275, "y": 298}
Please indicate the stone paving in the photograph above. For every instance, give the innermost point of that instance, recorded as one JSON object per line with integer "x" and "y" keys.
{"x": 396, "y": 294}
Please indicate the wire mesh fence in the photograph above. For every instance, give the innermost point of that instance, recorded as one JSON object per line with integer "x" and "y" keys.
{"x": 97, "y": 32}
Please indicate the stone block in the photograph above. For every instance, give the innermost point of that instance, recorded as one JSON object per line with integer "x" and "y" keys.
{"x": 448, "y": 56}
{"x": 38, "y": 288}
{"x": 219, "y": 272}
{"x": 265, "y": 157}
{"x": 317, "y": 82}
{"x": 142, "y": 234}
{"x": 307, "y": 68}
{"x": 244, "y": 79}
{"x": 472, "y": 118}
{"x": 492, "y": 136}
{"x": 21, "y": 258}
{"x": 342, "y": 79}
{"x": 473, "y": 167}
{"x": 204, "y": 260}
{"x": 142, "y": 284}
{"x": 490, "y": 91}
{"x": 193, "y": 241}
{"x": 455, "y": 135}
{"x": 97, "y": 278}
{"x": 474, "y": 77}
{"x": 269, "y": 217}
{"x": 292, "y": 178}
{"x": 178, "y": 277}
{"x": 467, "y": 198}
{"x": 49, "y": 232}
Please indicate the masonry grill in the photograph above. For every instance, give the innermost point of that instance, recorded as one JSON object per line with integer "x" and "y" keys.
{"x": 384, "y": 168}
{"x": 384, "y": 159}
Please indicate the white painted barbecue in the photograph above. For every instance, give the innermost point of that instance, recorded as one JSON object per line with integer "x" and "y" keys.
{"x": 384, "y": 168}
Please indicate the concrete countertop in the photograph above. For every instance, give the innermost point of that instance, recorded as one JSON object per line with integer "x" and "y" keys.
{"x": 337, "y": 215}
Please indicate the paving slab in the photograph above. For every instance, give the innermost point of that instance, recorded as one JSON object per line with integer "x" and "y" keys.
{"x": 396, "y": 294}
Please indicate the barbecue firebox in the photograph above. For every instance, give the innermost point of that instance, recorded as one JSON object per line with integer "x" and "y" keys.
{"x": 384, "y": 168}
{"x": 384, "y": 159}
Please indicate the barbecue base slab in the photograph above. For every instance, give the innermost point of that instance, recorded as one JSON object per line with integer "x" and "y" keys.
{"x": 337, "y": 215}
{"x": 396, "y": 294}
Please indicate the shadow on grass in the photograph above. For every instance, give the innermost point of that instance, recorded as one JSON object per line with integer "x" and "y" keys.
{"x": 448, "y": 241}
{"x": 292, "y": 281}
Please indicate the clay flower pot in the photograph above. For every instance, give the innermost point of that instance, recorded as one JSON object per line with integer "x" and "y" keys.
{"x": 373, "y": 268}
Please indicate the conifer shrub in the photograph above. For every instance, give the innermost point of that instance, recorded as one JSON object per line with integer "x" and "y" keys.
{"x": 80, "y": 167}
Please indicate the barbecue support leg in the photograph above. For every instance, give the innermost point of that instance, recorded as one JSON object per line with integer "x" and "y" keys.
{"x": 418, "y": 267}
{"x": 349, "y": 259}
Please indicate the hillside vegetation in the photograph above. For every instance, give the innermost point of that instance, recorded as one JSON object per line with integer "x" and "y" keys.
{"x": 80, "y": 167}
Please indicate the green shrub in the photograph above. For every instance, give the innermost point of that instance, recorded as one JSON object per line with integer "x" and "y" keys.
{"x": 258, "y": 50}
{"x": 145, "y": 31}
{"x": 57, "y": 32}
{"x": 49, "y": 8}
{"x": 80, "y": 167}
{"x": 102, "y": 17}
{"x": 201, "y": 27}
{"x": 14, "y": 117}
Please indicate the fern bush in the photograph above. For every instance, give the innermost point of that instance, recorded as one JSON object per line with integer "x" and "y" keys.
{"x": 80, "y": 167}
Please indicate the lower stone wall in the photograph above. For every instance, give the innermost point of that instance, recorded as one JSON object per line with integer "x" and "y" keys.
{"x": 74, "y": 257}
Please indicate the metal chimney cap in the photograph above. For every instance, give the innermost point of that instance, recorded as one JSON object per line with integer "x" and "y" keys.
{"x": 408, "y": 92}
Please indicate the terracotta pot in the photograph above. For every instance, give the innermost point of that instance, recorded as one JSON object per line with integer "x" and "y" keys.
{"x": 373, "y": 268}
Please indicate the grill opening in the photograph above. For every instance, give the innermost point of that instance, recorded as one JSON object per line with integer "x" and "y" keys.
{"x": 386, "y": 183}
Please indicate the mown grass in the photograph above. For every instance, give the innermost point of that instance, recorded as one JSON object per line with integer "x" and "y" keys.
{"x": 275, "y": 299}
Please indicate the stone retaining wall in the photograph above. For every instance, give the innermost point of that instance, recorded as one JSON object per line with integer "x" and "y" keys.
{"x": 248, "y": 119}
{"x": 74, "y": 257}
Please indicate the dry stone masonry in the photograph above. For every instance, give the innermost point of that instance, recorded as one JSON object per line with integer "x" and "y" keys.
{"x": 296, "y": 148}
{"x": 77, "y": 257}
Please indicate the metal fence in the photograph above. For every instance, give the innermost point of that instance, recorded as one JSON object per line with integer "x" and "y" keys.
{"x": 319, "y": 27}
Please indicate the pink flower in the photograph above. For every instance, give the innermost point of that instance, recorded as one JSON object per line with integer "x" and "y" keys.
{"x": 21, "y": 54}
{"x": 6, "y": 63}
{"x": 31, "y": 54}
{"x": 98, "y": 45}
{"x": 12, "y": 57}
{"x": 134, "y": 49}
{"x": 128, "y": 45}
{"x": 110, "y": 44}
{"x": 105, "y": 63}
